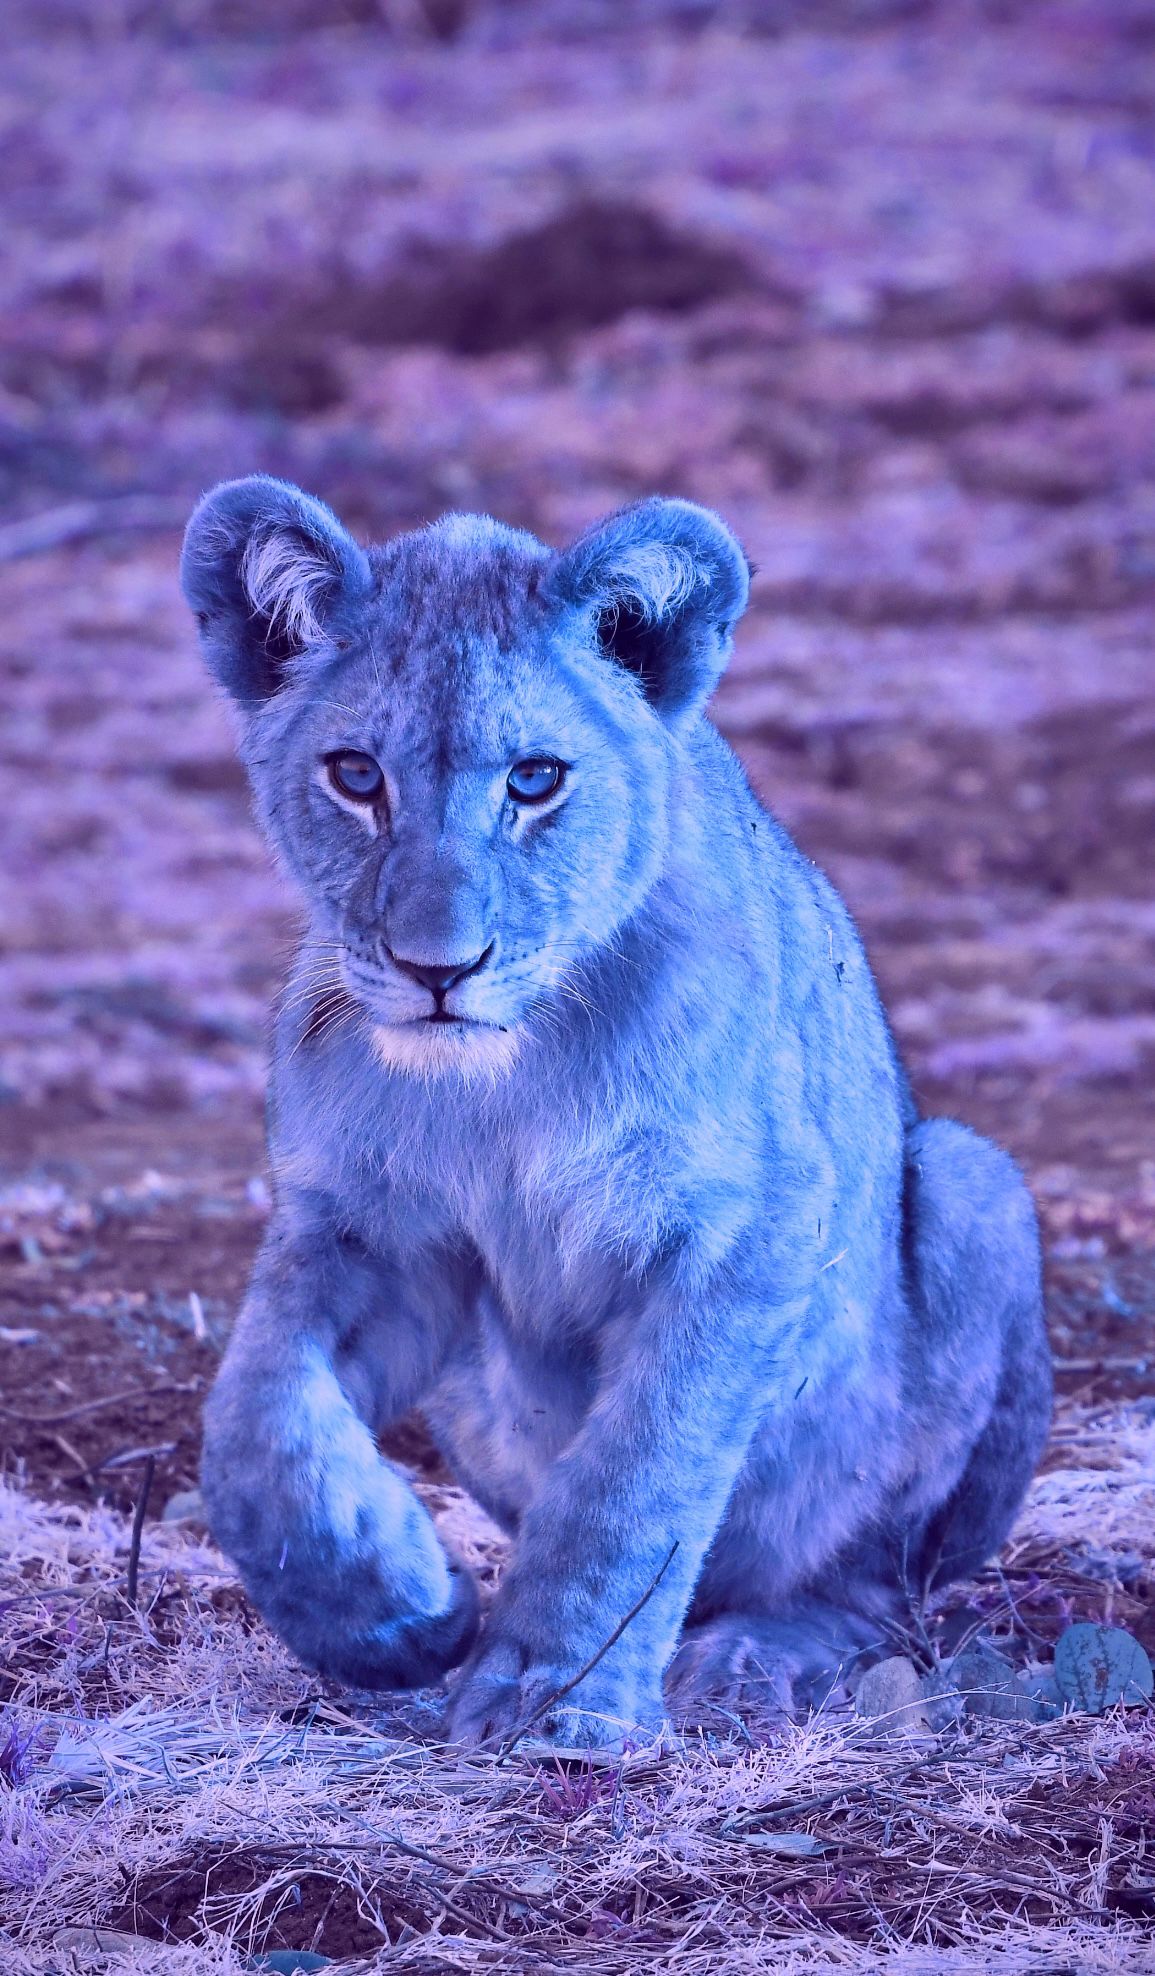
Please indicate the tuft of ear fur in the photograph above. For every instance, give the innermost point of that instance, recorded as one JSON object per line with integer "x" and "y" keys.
{"x": 665, "y": 582}
{"x": 270, "y": 574}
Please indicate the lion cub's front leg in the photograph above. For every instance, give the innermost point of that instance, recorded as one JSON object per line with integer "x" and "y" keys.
{"x": 649, "y": 1474}
{"x": 330, "y": 1541}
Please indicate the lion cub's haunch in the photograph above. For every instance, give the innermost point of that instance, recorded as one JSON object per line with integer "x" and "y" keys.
{"x": 589, "y": 1136}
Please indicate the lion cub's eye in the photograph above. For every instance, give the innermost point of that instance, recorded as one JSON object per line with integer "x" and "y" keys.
{"x": 356, "y": 776}
{"x": 533, "y": 781}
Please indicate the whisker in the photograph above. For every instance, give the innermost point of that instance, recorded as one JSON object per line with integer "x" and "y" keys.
{"x": 300, "y": 991}
{"x": 329, "y": 1023}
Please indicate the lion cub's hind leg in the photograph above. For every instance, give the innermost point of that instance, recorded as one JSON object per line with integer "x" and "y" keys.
{"x": 981, "y": 1380}
{"x": 977, "y": 1405}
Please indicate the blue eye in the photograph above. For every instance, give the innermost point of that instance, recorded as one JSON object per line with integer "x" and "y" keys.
{"x": 356, "y": 776}
{"x": 534, "y": 781}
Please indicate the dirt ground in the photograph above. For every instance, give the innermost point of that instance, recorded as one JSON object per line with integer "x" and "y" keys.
{"x": 875, "y": 280}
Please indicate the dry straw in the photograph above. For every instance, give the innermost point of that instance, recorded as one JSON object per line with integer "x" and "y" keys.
{"x": 174, "y": 1737}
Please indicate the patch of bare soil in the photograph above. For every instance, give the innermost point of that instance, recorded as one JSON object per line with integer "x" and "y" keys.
{"x": 117, "y": 1296}
{"x": 292, "y": 1909}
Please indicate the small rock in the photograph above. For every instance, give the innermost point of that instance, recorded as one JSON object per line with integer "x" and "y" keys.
{"x": 783, "y": 1845}
{"x": 187, "y": 1506}
{"x": 978, "y": 1667}
{"x": 1039, "y": 1686}
{"x": 943, "y": 1703}
{"x": 987, "y": 1684}
{"x": 1097, "y": 1666}
{"x": 981, "y": 1682}
{"x": 891, "y": 1694}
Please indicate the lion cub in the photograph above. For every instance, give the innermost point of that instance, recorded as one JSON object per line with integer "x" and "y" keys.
{"x": 588, "y": 1136}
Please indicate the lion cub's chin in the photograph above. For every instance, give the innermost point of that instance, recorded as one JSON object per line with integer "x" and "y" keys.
{"x": 427, "y": 1049}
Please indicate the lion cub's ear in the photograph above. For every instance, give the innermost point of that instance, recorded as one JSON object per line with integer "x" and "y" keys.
{"x": 665, "y": 582}
{"x": 270, "y": 574}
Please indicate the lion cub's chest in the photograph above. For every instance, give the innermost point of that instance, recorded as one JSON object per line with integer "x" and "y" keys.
{"x": 539, "y": 1230}
{"x": 548, "y": 1258}
{"x": 563, "y": 1232}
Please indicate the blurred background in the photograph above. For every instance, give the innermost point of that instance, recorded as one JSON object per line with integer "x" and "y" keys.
{"x": 875, "y": 278}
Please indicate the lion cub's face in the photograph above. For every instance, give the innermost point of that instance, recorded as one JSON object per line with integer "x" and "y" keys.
{"x": 459, "y": 744}
{"x": 469, "y": 806}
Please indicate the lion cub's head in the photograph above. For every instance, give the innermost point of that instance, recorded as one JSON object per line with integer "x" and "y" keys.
{"x": 461, "y": 743}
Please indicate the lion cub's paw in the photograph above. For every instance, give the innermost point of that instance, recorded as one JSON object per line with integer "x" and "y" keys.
{"x": 493, "y": 1700}
{"x": 732, "y": 1667}
{"x": 775, "y": 1669}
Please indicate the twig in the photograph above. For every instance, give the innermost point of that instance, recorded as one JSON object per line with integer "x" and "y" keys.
{"x": 74, "y": 1454}
{"x": 1016, "y": 1883}
{"x": 1103, "y": 1364}
{"x": 567, "y": 1687}
{"x": 949, "y": 1820}
{"x": 794, "y": 1808}
{"x": 138, "y": 1529}
{"x": 52, "y": 1592}
{"x": 93, "y": 1406}
{"x": 77, "y": 521}
{"x": 762, "y": 1814}
{"x": 120, "y": 1458}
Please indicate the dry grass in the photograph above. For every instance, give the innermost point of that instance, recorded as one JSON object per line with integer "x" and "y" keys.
{"x": 181, "y": 1749}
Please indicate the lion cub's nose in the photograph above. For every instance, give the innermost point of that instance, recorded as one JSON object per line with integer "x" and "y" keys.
{"x": 439, "y": 977}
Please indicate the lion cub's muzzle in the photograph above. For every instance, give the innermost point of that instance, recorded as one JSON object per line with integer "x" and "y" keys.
{"x": 440, "y": 977}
